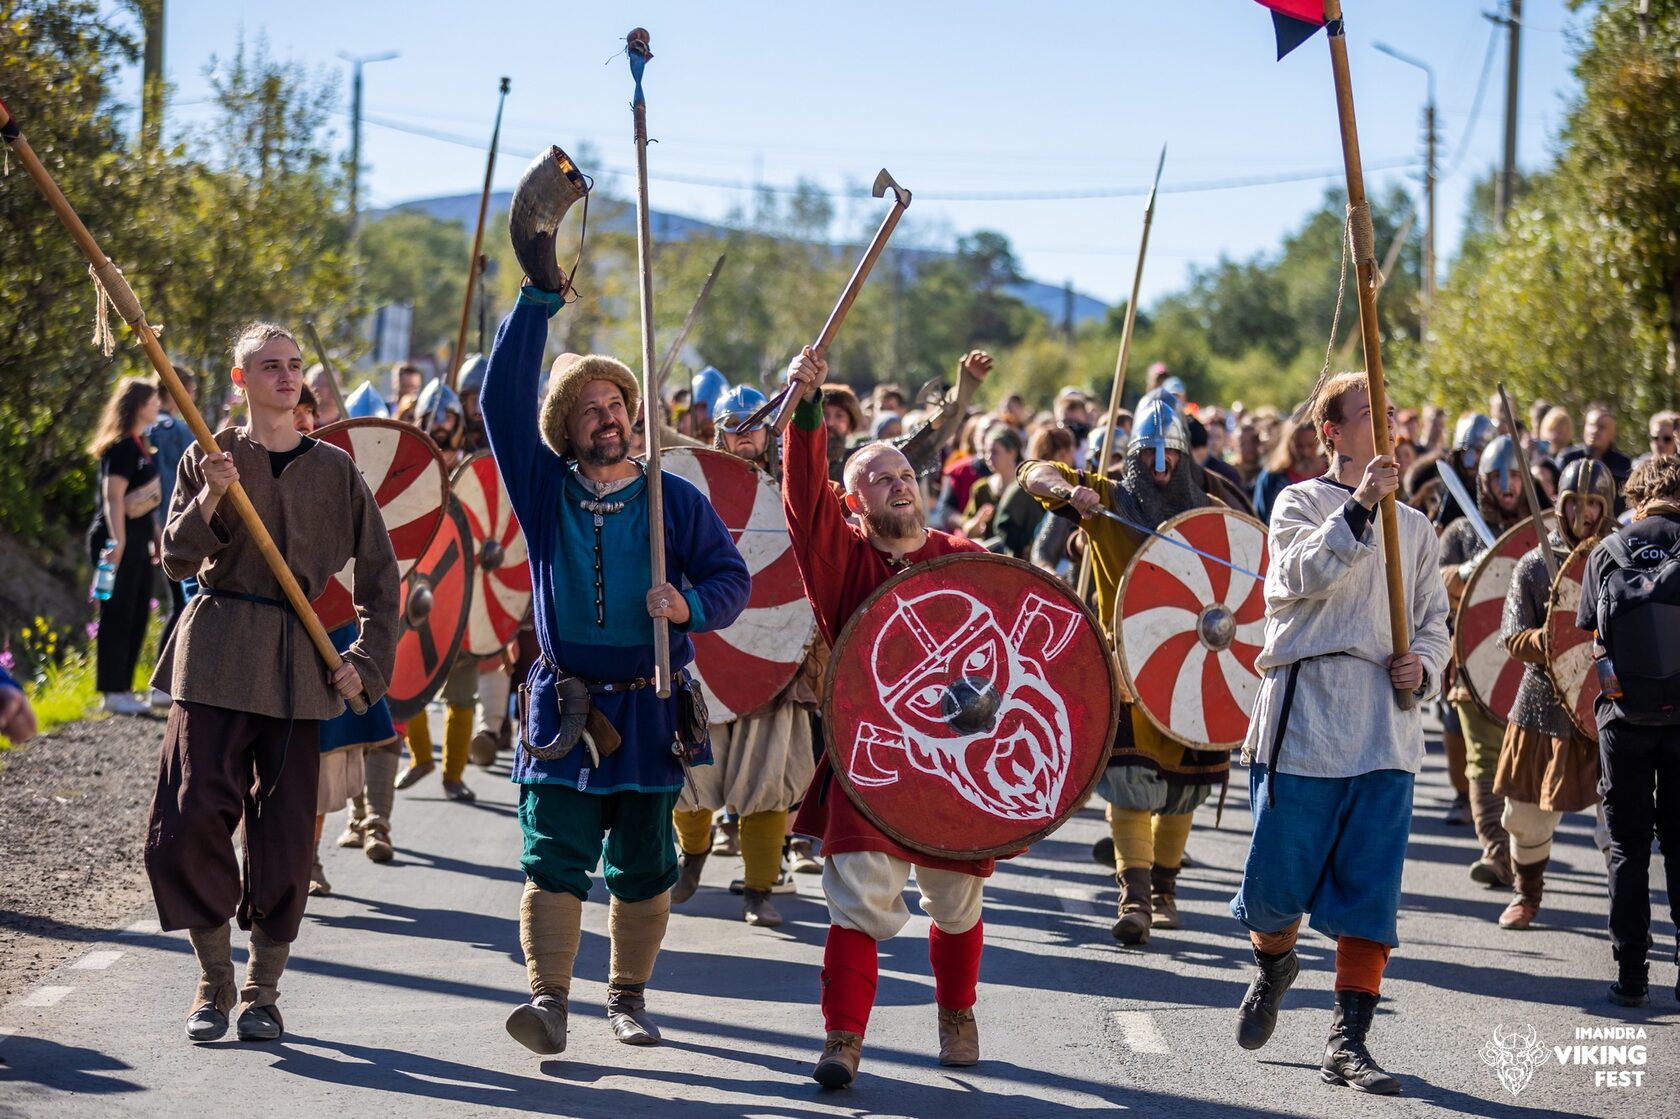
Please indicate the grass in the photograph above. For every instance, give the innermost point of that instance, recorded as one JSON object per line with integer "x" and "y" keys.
{"x": 62, "y": 689}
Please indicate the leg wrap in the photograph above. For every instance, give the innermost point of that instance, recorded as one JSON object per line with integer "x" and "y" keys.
{"x": 550, "y": 929}
{"x": 213, "y": 947}
{"x": 381, "y": 766}
{"x": 762, "y": 834}
{"x": 1134, "y": 841}
{"x": 1276, "y": 943}
{"x": 694, "y": 830}
{"x": 956, "y": 965}
{"x": 851, "y": 970}
{"x": 1531, "y": 829}
{"x": 1486, "y": 808}
{"x": 1360, "y": 964}
{"x": 457, "y": 741}
{"x": 1171, "y": 833}
{"x": 264, "y": 968}
{"x": 637, "y": 929}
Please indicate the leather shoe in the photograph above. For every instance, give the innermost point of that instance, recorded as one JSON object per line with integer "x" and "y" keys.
{"x": 689, "y": 880}
{"x": 627, "y": 1015}
{"x": 838, "y": 1065}
{"x": 411, "y": 774}
{"x": 540, "y": 1025}
{"x": 482, "y": 751}
{"x": 207, "y": 1023}
{"x": 260, "y": 1023}
{"x": 959, "y": 1038}
{"x": 756, "y": 910}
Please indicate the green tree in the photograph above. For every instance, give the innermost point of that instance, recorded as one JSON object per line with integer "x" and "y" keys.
{"x": 404, "y": 259}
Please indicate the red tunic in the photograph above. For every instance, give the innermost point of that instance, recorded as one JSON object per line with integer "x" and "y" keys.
{"x": 841, "y": 568}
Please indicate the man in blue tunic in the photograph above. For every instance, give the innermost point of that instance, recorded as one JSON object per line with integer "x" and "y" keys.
{"x": 601, "y": 758}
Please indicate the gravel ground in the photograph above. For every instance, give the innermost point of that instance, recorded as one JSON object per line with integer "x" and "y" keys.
{"x": 72, "y": 820}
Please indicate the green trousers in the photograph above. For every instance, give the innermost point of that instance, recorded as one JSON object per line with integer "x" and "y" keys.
{"x": 568, "y": 833}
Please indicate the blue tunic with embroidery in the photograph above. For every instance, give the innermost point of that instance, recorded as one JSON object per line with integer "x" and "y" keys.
{"x": 560, "y": 535}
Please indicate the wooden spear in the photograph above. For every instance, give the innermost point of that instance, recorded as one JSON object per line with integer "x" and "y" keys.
{"x": 455, "y": 359}
{"x": 1122, "y": 361}
{"x": 128, "y": 306}
{"x": 1363, "y": 239}
{"x": 670, "y": 358}
{"x": 1529, "y": 495}
{"x": 637, "y": 47}
{"x": 326, "y": 367}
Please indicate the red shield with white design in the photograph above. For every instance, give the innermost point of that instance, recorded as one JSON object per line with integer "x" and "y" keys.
{"x": 972, "y": 704}
{"x": 437, "y": 596}
{"x": 1190, "y": 624}
{"x": 501, "y": 570}
{"x": 406, "y": 474}
{"x": 1569, "y": 650}
{"x": 1490, "y": 672}
{"x": 743, "y": 668}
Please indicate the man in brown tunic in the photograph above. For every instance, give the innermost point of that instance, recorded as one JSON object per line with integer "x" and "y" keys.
{"x": 250, "y": 692}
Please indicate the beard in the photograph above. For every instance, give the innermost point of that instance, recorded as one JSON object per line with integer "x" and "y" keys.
{"x": 890, "y": 524}
{"x": 597, "y": 455}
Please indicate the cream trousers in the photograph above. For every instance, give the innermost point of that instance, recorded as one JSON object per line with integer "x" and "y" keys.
{"x": 865, "y": 891}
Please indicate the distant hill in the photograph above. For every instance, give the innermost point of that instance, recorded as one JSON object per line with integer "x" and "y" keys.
{"x": 463, "y": 209}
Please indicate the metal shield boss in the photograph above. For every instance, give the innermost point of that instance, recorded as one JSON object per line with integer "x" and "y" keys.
{"x": 1490, "y": 672}
{"x": 409, "y": 482}
{"x": 437, "y": 596}
{"x": 972, "y": 703}
{"x": 1188, "y": 628}
{"x": 501, "y": 569}
{"x": 1569, "y": 651}
{"x": 743, "y": 668}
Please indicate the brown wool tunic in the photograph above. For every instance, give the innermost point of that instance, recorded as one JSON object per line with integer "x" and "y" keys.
{"x": 231, "y": 653}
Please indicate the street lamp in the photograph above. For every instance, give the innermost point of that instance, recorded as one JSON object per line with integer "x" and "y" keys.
{"x": 358, "y": 61}
{"x": 1428, "y": 293}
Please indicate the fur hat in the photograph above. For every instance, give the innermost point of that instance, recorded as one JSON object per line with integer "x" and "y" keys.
{"x": 567, "y": 377}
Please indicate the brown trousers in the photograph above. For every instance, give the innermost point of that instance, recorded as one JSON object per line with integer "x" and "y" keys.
{"x": 219, "y": 765}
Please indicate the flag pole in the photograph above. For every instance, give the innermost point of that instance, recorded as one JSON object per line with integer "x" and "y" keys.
{"x": 1363, "y": 239}
{"x": 1120, "y": 364}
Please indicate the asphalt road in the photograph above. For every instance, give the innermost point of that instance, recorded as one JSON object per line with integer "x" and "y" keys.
{"x": 400, "y": 981}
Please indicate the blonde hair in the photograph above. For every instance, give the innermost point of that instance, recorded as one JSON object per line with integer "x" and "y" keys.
{"x": 1327, "y": 402}
{"x": 254, "y": 335}
{"x": 117, "y": 421}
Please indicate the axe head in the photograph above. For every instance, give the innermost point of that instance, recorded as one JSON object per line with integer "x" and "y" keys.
{"x": 885, "y": 182}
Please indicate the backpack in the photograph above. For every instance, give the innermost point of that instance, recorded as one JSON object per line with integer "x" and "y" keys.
{"x": 1639, "y": 625}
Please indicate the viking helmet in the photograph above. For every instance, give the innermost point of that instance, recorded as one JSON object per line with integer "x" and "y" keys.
{"x": 435, "y": 399}
{"x": 733, "y": 407}
{"x": 1585, "y": 479}
{"x": 1472, "y": 433}
{"x": 471, "y": 377}
{"x": 708, "y": 385}
{"x": 1160, "y": 427}
{"x": 1501, "y": 457}
{"x": 365, "y": 402}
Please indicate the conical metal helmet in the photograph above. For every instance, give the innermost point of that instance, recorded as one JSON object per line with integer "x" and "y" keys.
{"x": 1501, "y": 456}
{"x": 1586, "y": 480}
{"x": 1159, "y": 427}
{"x": 364, "y": 402}
{"x": 1473, "y": 432}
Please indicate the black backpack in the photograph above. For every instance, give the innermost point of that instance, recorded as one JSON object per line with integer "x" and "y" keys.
{"x": 1639, "y": 624}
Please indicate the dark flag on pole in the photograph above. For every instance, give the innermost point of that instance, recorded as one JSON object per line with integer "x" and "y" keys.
{"x": 1295, "y": 21}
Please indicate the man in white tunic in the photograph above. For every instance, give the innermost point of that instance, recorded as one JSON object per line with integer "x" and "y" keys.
{"x": 1332, "y": 753}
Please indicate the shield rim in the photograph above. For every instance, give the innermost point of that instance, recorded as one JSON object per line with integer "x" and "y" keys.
{"x": 400, "y": 709}
{"x": 811, "y": 637}
{"x": 437, "y": 457}
{"x": 833, "y": 750}
{"x": 1581, "y": 552}
{"x": 1482, "y": 564}
{"x": 1119, "y": 646}
{"x": 465, "y": 465}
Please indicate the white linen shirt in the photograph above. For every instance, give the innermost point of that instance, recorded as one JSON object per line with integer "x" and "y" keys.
{"x": 1327, "y": 608}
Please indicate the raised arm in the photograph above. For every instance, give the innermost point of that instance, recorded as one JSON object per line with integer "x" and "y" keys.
{"x": 816, "y": 517}
{"x": 509, "y": 398}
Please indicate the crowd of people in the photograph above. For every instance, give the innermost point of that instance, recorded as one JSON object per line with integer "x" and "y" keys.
{"x": 593, "y": 744}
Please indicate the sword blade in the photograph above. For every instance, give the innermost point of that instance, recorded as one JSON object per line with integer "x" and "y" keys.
{"x": 1466, "y": 503}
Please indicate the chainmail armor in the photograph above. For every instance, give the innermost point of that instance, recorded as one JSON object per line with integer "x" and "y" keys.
{"x": 1537, "y": 707}
{"x": 1141, "y": 500}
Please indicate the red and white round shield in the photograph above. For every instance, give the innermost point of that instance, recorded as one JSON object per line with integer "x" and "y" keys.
{"x": 1190, "y": 626}
{"x": 407, "y": 476}
{"x": 743, "y": 668}
{"x": 436, "y": 598}
{"x": 1569, "y": 650}
{"x": 1490, "y": 672}
{"x": 971, "y": 706}
{"x": 501, "y": 568}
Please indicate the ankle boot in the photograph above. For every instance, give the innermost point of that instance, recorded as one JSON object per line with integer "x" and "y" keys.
{"x": 1493, "y": 869}
{"x": 1525, "y": 903}
{"x": 352, "y": 836}
{"x": 217, "y": 993}
{"x": 838, "y": 1065}
{"x": 959, "y": 1038}
{"x": 627, "y": 1015}
{"x": 1135, "y": 908}
{"x": 261, "y": 1019}
{"x": 1346, "y": 1060}
{"x": 540, "y": 1025}
{"x": 756, "y": 909}
{"x": 1633, "y": 983}
{"x": 689, "y": 880}
{"x": 1163, "y": 897}
{"x": 381, "y": 801}
{"x": 1257, "y": 1016}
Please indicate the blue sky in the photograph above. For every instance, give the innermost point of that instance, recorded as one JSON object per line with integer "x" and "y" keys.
{"x": 963, "y": 102}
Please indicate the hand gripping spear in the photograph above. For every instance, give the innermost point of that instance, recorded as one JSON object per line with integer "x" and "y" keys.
{"x": 637, "y": 48}
{"x": 783, "y": 402}
{"x": 122, "y": 296}
{"x": 1123, "y": 360}
{"x": 455, "y": 359}
{"x": 1363, "y": 239}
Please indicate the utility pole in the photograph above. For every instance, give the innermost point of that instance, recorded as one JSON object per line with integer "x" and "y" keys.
{"x": 1507, "y": 183}
{"x": 357, "y": 61}
{"x": 1426, "y": 285}
{"x": 1067, "y": 311}
{"x": 151, "y": 88}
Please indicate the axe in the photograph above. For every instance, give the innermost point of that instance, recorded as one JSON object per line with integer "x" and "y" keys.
{"x": 784, "y": 401}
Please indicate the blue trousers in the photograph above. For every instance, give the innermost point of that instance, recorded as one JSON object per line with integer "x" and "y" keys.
{"x": 1329, "y": 846}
